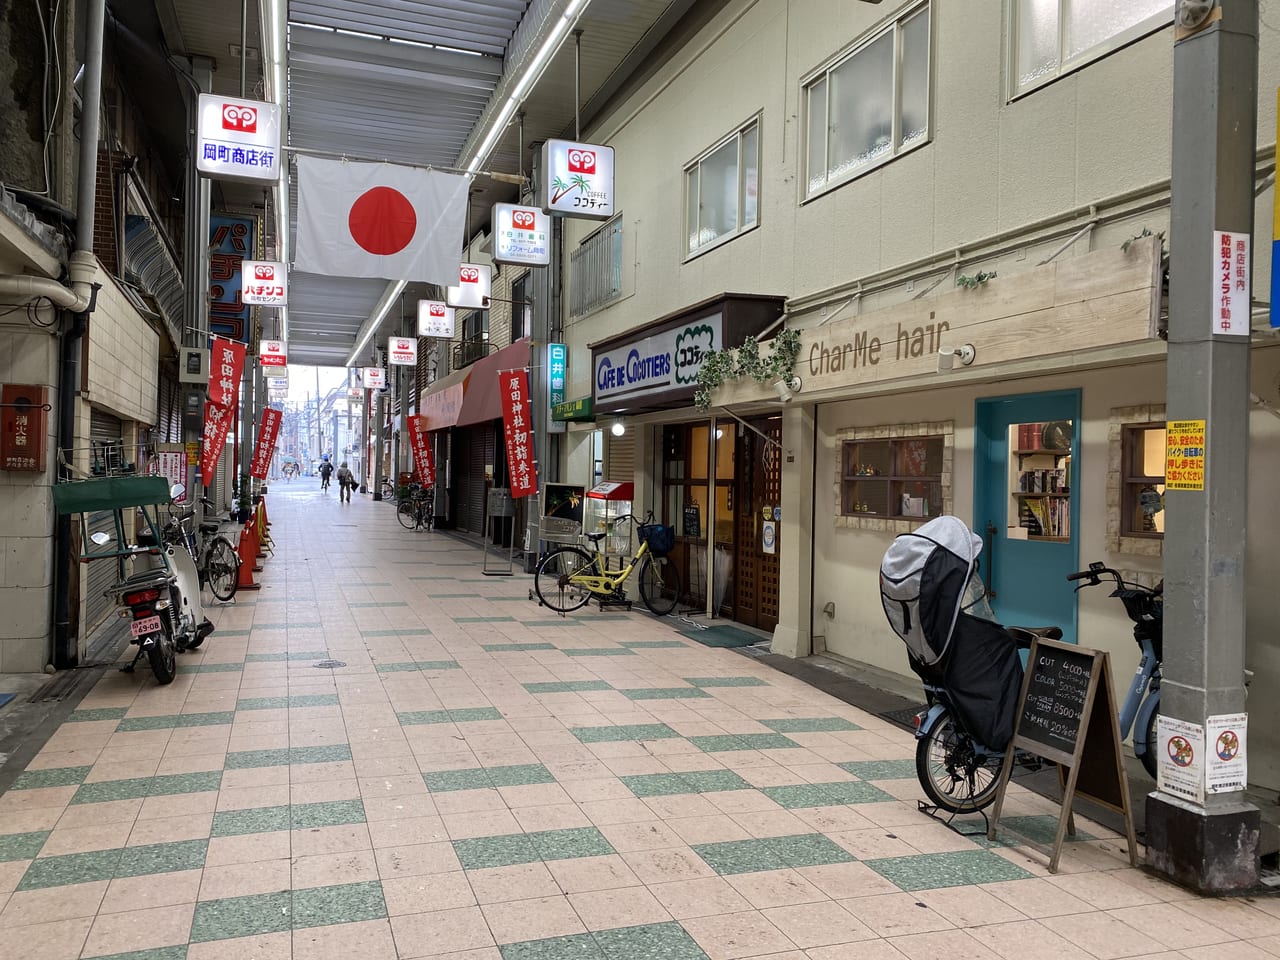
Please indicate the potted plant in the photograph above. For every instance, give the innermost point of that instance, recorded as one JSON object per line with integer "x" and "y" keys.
{"x": 245, "y": 501}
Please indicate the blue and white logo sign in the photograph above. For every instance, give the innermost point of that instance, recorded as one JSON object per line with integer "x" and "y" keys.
{"x": 238, "y": 139}
{"x": 661, "y": 362}
{"x": 769, "y": 537}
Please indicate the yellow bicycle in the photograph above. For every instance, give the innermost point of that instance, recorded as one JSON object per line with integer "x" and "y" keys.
{"x": 567, "y": 578}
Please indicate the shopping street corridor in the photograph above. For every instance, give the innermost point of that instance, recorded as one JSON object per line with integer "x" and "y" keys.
{"x": 476, "y": 778}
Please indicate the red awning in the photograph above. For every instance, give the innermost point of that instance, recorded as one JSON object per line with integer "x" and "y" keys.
{"x": 482, "y": 401}
{"x": 442, "y": 401}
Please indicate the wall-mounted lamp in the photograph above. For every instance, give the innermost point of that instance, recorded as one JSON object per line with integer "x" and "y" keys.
{"x": 947, "y": 357}
{"x": 787, "y": 388}
{"x": 618, "y": 428}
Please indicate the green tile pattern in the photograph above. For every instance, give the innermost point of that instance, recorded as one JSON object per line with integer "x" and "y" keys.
{"x": 463, "y": 715}
{"x": 809, "y": 724}
{"x": 377, "y": 603}
{"x": 565, "y": 622}
{"x": 97, "y": 713}
{"x": 1038, "y": 829}
{"x": 152, "y": 858}
{"x": 516, "y": 647}
{"x": 484, "y": 619}
{"x": 174, "y": 721}
{"x": 330, "y": 813}
{"x": 156, "y": 953}
{"x": 696, "y": 781}
{"x": 209, "y": 667}
{"x": 161, "y": 786}
{"x": 618, "y": 734}
{"x": 70, "y": 868}
{"x": 510, "y": 849}
{"x": 726, "y": 681}
{"x": 826, "y": 794}
{"x": 244, "y": 759}
{"x": 654, "y": 941}
{"x": 415, "y": 632}
{"x": 880, "y": 769}
{"x": 292, "y": 702}
{"x": 480, "y": 778}
{"x": 21, "y": 846}
{"x": 238, "y": 823}
{"x": 928, "y": 871}
{"x": 346, "y": 903}
{"x": 295, "y": 657}
{"x": 665, "y": 693}
{"x": 235, "y": 917}
{"x": 653, "y": 644}
{"x": 772, "y": 853}
{"x": 567, "y": 686}
{"x": 721, "y": 743}
{"x": 53, "y": 777}
{"x": 599, "y": 652}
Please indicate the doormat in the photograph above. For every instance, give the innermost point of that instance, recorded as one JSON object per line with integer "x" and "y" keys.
{"x": 904, "y": 718}
{"x": 6, "y": 697}
{"x": 723, "y": 636}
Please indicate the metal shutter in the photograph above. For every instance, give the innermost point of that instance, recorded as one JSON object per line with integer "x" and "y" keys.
{"x": 620, "y": 457}
{"x": 102, "y": 574}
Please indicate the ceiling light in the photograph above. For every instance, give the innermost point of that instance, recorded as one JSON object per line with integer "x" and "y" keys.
{"x": 618, "y": 428}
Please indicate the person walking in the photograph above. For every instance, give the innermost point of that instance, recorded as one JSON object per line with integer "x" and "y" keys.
{"x": 346, "y": 482}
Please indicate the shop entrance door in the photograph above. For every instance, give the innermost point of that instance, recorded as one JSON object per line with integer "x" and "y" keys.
{"x": 758, "y": 482}
{"x": 1026, "y": 506}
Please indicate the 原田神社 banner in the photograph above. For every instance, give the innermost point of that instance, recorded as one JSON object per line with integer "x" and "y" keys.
{"x": 379, "y": 220}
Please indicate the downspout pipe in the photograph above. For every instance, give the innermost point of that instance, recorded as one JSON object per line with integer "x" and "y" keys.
{"x": 80, "y": 301}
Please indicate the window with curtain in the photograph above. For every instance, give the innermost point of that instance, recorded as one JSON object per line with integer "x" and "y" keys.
{"x": 721, "y": 190}
{"x": 521, "y": 308}
{"x": 1053, "y": 37}
{"x": 871, "y": 104}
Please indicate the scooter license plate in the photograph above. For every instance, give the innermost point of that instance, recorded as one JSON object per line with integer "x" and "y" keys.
{"x": 140, "y": 628}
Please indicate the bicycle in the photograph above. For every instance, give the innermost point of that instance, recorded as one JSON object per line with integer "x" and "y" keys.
{"x": 568, "y": 577}
{"x": 215, "y": 557}
{"x": 416, "y": 511}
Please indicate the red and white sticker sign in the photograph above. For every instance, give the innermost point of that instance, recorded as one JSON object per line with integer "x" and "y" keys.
{"x": 272, "y": 353}
{"x": 403, "y": 351}
{"x": 1232, "y": 311}
{"x": 265, "y": 283}
{"x": 375, "y": 378}
{"x": 517, "y": 428}
{"x": 474, "y": 286}
{"x": 435, "y": 319}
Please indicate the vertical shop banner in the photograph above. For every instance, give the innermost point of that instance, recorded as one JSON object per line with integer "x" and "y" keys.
{"x": 226, "y": 363}
{"x": 232, "y": 240}
{"x": 513, "y": 386}
{"x": 266, "y": 445}
{"x": 420, "y": 444}
{"x": 217, "y": 421}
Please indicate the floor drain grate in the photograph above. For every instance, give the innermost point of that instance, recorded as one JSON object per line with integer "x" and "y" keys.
{"x": 329, "y": 664}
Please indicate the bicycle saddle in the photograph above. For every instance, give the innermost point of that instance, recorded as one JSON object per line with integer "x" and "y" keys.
{"x": 1044, "y": 633}
{"x": 595, "y": 537}
{"x": 209, "y": 526}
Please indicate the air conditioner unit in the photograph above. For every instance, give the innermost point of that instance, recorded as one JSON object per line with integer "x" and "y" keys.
{"x": 193, "y": 365}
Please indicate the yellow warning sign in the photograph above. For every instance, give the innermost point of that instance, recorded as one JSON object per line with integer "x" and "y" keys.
{"x": 1184, "y": 455}
{"x": 193, "y": 454}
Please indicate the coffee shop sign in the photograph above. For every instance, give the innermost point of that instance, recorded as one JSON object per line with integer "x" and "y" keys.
{"x": 664, "y": 361}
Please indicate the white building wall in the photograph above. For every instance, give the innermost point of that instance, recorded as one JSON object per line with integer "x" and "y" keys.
{"x": 123, "y": 367}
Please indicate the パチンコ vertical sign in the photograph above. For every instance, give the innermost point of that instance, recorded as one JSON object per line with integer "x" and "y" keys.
{"x": 517, "y": 428}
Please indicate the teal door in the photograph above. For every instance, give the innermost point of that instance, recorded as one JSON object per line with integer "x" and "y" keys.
{"x": 1026, "y": 506}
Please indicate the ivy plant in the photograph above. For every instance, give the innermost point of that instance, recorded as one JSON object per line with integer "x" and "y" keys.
{"x": 721, "y": 366}
{"x": 979, "y": 278}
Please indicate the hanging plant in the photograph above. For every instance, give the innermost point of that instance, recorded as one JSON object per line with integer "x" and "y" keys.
{"x": 979, "y": 278}
{"x": 720, "y": 366}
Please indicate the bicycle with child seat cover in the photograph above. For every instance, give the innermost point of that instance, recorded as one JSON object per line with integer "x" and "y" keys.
{"x": 569, "y": 577}
{"x": 417, "y": 511}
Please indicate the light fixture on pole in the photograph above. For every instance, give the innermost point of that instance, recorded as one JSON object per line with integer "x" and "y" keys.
{"x": 947, "y": 356}
{"x": 618, "y": 428}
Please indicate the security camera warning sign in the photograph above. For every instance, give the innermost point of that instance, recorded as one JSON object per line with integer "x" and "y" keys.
{"x": 1184, "y": 455}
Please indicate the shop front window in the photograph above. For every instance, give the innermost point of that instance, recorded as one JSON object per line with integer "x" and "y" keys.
{"x": 1142, "y": 470}
{"x": 899, "y": 478}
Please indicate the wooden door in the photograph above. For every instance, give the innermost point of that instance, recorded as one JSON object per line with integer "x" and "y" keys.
{"x": 758, "y": 488}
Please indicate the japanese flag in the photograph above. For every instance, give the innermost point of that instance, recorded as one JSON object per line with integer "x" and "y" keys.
{"x": 379, "y": 220}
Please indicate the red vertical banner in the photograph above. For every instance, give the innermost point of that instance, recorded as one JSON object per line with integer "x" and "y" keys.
{"x": 517, "y": 428}
{"x": 217, "y": 420}
{"x": 226, "y": 364}
{"x": 266, "y": 444}
{"x": 420, "y": 444}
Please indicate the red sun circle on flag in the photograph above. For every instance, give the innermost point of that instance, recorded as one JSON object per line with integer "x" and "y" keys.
{"x": 382, "y": 221}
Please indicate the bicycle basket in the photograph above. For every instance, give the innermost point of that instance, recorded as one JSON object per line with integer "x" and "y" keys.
{"x": 661, "y": 538}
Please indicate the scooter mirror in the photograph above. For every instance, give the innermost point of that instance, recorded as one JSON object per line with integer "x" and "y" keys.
{"x": 177, "y": 490}
{"x": 101, "y": 538}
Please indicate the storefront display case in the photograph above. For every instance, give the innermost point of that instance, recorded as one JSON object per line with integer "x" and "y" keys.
{"x": 607, "y": 509}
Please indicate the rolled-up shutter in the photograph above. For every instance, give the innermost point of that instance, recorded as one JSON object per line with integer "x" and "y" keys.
{"x": 103, "y": 428}
{"x": 620, "y": 457}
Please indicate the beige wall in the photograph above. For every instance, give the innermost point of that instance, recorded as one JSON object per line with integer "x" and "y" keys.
{"x": 123, "y": 366}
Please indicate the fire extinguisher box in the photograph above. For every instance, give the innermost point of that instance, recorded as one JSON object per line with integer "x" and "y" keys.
{"x": 24, "y": 426}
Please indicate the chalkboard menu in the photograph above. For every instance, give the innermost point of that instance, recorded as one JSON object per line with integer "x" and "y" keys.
{"x": 1057, "y": 692}
{"x": 692, "y": 520}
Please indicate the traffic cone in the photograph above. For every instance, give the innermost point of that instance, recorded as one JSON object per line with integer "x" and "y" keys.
{"x": 247, "y": 552}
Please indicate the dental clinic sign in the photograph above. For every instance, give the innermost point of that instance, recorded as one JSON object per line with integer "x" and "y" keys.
{"x": 664, "y": 361}
{"x": 238, "y": 139}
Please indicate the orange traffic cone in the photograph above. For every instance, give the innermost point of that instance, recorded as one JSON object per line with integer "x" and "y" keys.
{"x": 247, "y": 552}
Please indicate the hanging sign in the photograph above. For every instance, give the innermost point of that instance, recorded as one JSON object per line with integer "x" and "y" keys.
{"x": 517, "y": 428}
{"x": 402, "y": 351}
{"x": 226, "y": 364}
{"x": 475, "y": 281}
{"x": 217, "y": 421}
{"x": 661, "y": 361}
{"x": 266, "y": 445}
{"x": 231, "y": 240}
{"x": 435, "y": 319}
{"x": 577, "y": 179}
{"x": 521, "y": 235}
{"x": 557, "y": 367}
{"x": 375, "y": 378}
{"x": 265, "y": 283}
{"x": 271, "y": 353}
{"x": 238, "y": 139}
{"x": 420, "y": 444}
{"x": 1184, "y": 455}
{"x": 1232, "y": 313}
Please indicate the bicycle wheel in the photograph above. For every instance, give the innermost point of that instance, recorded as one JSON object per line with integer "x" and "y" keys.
{"x": 222, "y": 568}
{"x": 1150, "y": 759}
{"x": 659, "y": 584}
{"x": 407, "y": 514}
{"x": 551, "y": 581}
{"x": 954, "y": 775}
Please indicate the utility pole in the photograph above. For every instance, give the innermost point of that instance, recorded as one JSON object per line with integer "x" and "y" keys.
{"x": 1200, "y": 838}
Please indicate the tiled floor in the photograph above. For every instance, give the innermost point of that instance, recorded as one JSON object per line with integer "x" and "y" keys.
{"x": 482, "y": 780}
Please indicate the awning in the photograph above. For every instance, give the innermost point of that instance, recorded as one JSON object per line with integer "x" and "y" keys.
{"x": 482, "y": 401}
{"x": 441, "y": 402}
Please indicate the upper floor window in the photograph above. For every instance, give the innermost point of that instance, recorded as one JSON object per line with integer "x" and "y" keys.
{"x": 871, "y": 104}
{"x": 1142, "y": 476}
{"x": 595, "y": 269}
{"x": 521, "y": 308}
{"x": 1053, "y": 37}
{"x": 721, "y": 189}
